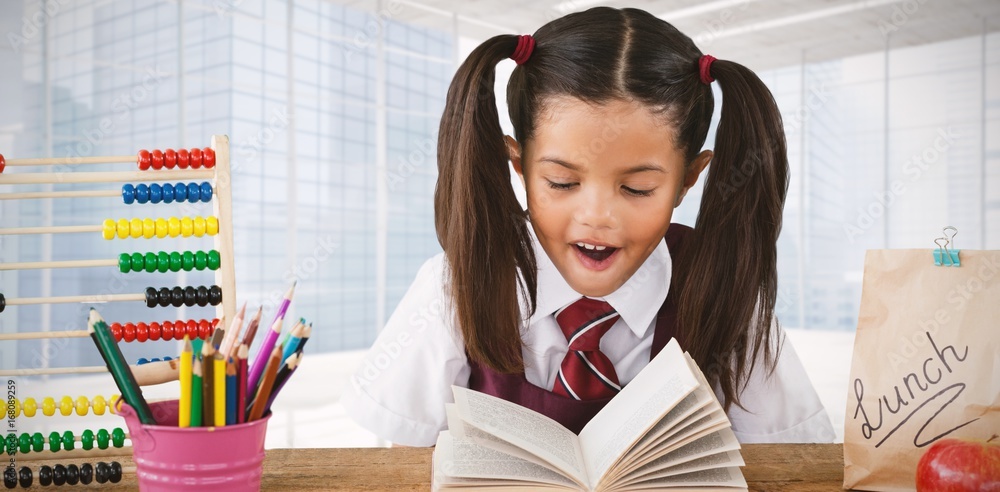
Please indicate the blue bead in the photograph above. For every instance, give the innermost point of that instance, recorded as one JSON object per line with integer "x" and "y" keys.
{"x": 128, "y": 194}
{"x": 155, "y": 359}
{"x": 168, "y": 193}
{"x": 206, "y": 192}
{"x": 180, "y": 192}
{"x": 155, "y": 193}
{"x": 194, "y": 193}
{"x": 142, "y": 193}
{"x": 167, "y": 358}
{"x": 142, "y": 360}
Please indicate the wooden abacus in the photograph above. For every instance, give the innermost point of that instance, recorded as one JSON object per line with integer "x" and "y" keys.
{"x": 210, "y": 168}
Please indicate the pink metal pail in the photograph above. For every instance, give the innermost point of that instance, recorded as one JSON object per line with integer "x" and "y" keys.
{"x": 168, "y": 457}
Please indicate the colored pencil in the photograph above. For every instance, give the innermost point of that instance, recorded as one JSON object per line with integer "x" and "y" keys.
{"x": 230, "y": 392}
{"x": 241, "y": 382}
{"x": 292, "y": 340}
{"x": 219, "y": 373}
{"x": 158, "y": 372}
{"x": 229, "y": 344}
{"x": 260, "y": 362}
{"x": 266, "y": 383}
{"x": 251, "y": 332}
{"x": 196, "y": 345}
{"x": 196, "y": 392}
{"x": 184, "y": 403}
{"x": 283, "y": 308}
{"x": 120, "y": 371}
{"x": 217, "y": 336}
{"x": 284, "y": 374}
{"x": 208, "y": 383}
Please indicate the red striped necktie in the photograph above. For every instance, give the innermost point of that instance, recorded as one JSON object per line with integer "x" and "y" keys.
{"x": 586, "y": 373}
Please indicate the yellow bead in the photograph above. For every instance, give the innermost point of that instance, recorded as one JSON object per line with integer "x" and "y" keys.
{"x": 161, "y": 228}
{"x": 187, "y": 226}
{"x": 99, "y": 404}
{"x": 66, "y": 405}
{"x": 48, "y": 406}
{"x": 82, "y": 405}
{"x": 211, "y": 225}
{"x": 175, "y": 226}
{"x": 17, "y": 408}
{"x": 135, "y": 228}
{"x": 113, "y": 403}
{"x": 122, "y": 228}
{"x": 30, "y": 407}
{"x": 148, "y": 228}
{"x": 109, "y": 229}
{"x": 199, "y": 226}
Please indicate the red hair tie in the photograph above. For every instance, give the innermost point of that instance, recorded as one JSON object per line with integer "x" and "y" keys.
{"x": 704, "y": 68}
{"x": 525, "y": 45}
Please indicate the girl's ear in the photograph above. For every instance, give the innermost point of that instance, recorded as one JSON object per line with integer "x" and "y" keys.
{"x": 691, "y": 175}
{"x": 514, "y": 153}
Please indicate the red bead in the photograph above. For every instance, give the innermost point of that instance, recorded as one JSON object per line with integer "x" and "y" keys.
{"x": 215, "y": 323}
{"x": 169, "y": 158}
{"x": 167, "y": 331}
{"x": 208, "y": 157}
{"x": 180, "y": 329}
{"x": 3, "y": 163}
{"x": 157, "y": 159}
{"x": 141, "y": 332}
{"x": 183, "y": 159}
{"x": 128, "y": 332}
{"x": 192, "y": 329}
{"x": 204, "y": 329}
{"x": 116, "y": 331}
{"x": 144, "y": 160}
{"x": 154, "y": 331}
{"x": 196, "y": 158}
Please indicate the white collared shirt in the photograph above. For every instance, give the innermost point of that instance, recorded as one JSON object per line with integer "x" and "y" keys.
{"x": 400, "y": 389}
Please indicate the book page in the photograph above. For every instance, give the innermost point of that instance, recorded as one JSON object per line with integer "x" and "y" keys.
{"x": 724, "y": 459}
{"x": 691, "y": 405}
{"x": 659, "y": 387}
{"x": 713, "y": 443}
{"x": 462, "y": 458}
{"x": 714, "y": 477}
{"x": 522, "y": 427}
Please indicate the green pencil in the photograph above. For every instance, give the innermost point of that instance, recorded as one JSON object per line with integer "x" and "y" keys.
{"x": 196, "y": 392}
{"x": 118, "y": 368}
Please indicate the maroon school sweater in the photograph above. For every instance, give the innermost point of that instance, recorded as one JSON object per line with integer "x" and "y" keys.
{"x": 574, "y": 414}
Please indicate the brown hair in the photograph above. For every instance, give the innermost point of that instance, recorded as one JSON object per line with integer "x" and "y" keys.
{"x": 727, "y": 278}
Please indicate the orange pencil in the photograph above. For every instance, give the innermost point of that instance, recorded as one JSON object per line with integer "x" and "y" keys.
{"x": 266, "y": 382}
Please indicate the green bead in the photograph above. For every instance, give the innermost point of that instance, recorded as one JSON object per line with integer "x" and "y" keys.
{"x": 137, "y": 262}
{"x": 37, "y": 442}
{"x": 150, "y": 260}
{"x": 87, "y": 440}
{"x": 175, "y": 262}
{"x": 162, "y": 262}
{"x": 54, "y": 441}
{"x": 102, "y": 438}
{"x": 187, "y": 261}
{"x": 200, "y": 259}
{"x": 68, "y": 440}
{"x": 213, "y": 260}
{"x": 11, "y": 444}
{"x": 118, "y": 437}
{"x": 124, "y": 263}
{"x": 24, "y": 442}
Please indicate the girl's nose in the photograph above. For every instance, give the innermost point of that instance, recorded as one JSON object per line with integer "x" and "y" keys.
{"x": 595, "y": 209}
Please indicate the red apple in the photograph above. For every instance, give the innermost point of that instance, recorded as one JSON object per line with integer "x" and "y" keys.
{"x": 956, "y": 465}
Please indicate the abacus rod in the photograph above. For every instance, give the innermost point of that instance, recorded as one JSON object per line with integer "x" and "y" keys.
{"x": 54, "y": 371}
{"x": 51, "y": 230}
{"x": 48, "y": 455}
{"x": 44, "y": 334}
{"x": 148, "y": 374}
{"x": 60, "y": 194}
{"x": 105, "y": 177}
{"x": 99, "y": 298}
{"x": 36, "y": 265}
{"x": 53, "y": 161}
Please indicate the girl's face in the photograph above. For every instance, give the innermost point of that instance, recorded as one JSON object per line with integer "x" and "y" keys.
{"x": 602, "y": 183}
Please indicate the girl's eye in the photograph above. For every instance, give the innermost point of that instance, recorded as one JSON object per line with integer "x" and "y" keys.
{"x": 635, "y": 192}
{"x": 560, "y": 186}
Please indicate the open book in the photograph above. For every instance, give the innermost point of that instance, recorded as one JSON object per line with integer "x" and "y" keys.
{"x": 665, "y": 429}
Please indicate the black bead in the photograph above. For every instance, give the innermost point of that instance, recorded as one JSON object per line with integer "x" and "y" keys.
{"x": 25, "y": 477}
{"x": 86, "y": 473}
{"x": 177, "y": 296}
{"x": 164, "y": 296}
{"x": 190, "y": 296}
{"x": 150, "y": 297}
{"x": 45, "y": 476}
{"x": 215, "y": 295}
{"x": 3, "y": 303}
{"x": 202, "y": 296}
{"x": 102, "y": 472}
{"x": 72, "y": 474}
{"x": 10, "y": 477}
{"x": 58, "y": 475}
{"x": 116, "y": 472}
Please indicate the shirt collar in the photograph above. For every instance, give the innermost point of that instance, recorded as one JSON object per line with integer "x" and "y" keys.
{"x": 637, "y": 301}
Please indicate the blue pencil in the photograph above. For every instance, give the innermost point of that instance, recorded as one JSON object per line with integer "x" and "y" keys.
{"x": 231, "y": 392}
{"x": 294, "y": 337}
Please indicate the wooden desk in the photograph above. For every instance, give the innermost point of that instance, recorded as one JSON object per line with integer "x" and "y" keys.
{"x": 793, "y": 467}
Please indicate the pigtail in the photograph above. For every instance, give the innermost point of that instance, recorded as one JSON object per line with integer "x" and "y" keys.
{"x": 480, "y": 224}
{"x": 730, "y": 278}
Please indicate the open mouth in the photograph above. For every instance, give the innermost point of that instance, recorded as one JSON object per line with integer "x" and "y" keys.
{"x": 596, "y": 253}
